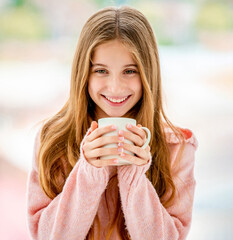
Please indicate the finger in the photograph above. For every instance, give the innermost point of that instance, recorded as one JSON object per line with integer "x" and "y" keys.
{"x": 134, "y": 159}
{"x": 102, "y": 141}
{"x": 134, "y": 138}
{"x": 101, "y": 131}
{"x": 104, "y": 162}
{"x": 137, "y": 130}
{"x": 94, "y": 125}
{"x": 101, "y": 152}
{"x": 147, "y": 148}
{"x": 141, "y": 153}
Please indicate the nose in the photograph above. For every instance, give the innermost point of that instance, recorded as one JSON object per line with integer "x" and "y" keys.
{"x": 116, "y": 83}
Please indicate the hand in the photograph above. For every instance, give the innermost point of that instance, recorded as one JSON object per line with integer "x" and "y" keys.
{"x": 92, "y": 146}
{"x": 138, "y": 137}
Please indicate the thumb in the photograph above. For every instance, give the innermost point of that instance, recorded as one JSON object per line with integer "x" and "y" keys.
{"x": 94, "y": 125}
{"x": 139, "y": 125}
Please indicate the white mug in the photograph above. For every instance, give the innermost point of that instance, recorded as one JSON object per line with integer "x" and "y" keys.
{"x": 121, "y": 124}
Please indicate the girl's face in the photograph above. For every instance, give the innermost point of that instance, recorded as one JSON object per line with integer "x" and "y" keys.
{"x": 114, "y": 83}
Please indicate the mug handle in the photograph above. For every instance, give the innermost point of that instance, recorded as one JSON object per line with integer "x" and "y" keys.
{"x": 148, "y": 137}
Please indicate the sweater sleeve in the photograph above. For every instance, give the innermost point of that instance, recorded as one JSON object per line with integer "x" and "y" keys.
{"x": 145, "y": 216}
{"x": 71, "y": 213}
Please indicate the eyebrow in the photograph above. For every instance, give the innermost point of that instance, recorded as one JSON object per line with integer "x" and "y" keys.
{"x": 103, "y": 65}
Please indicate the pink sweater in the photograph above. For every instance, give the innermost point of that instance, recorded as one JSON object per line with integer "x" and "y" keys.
{"x": 70, "y": 214}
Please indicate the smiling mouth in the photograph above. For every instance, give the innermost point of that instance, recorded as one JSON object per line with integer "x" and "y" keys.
{"x": 116, "y": 99}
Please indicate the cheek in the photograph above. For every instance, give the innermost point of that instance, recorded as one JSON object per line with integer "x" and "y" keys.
{"x": 137, "y": 86}
{"x": 96, "y": 83}
{"x": 92, "y": 86}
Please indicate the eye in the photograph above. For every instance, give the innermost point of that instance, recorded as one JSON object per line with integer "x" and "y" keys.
{"x": 100, "y": 71}
{"x": 130, "y": 71}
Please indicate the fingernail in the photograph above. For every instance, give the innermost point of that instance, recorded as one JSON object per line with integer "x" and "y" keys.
{"x": 120, "y": 150}
{"x": 120, "y": 132}
{"x": 114, "y": 127}
{"x": 129, "y": 125}
{"x": 122, "y": 154}
{"x": 121, "y": 139}
{"x": 120, "y": 144}
{"x": 115, "y": 161}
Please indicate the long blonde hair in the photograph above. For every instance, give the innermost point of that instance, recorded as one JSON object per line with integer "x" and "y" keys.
{"x": 62, "y": 134}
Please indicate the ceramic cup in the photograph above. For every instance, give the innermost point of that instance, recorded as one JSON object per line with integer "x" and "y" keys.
{"x": 121, "y": 124}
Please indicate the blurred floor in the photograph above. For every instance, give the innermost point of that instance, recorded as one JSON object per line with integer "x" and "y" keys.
{"x": 12, "y": 202}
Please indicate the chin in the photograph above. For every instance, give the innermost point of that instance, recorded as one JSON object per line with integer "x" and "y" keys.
{"x": 116, "y": 115}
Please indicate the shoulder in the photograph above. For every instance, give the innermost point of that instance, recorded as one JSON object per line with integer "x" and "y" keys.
{"x": 182, "y": 156}
{"x": 189, "y": 136}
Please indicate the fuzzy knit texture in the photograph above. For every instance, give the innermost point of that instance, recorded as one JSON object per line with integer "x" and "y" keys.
{"x": 70, "y": 215}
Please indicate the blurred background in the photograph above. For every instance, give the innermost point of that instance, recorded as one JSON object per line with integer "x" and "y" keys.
{"x": 195, "y": 38}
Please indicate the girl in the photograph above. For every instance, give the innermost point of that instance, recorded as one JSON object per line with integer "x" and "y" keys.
{"x": 72, "y": 194}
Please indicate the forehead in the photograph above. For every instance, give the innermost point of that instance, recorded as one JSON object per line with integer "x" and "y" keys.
{"x": 111, "y": 51}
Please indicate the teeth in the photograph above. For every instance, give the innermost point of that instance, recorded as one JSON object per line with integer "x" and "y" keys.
{"x": 116, "y": 100}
